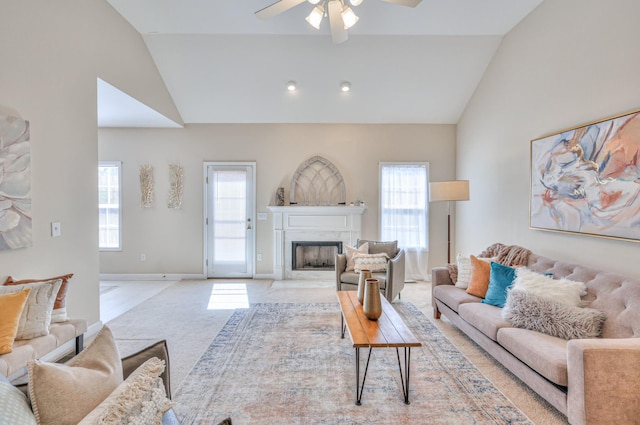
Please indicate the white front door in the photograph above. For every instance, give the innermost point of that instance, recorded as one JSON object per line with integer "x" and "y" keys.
{"x": 230, "y": 219}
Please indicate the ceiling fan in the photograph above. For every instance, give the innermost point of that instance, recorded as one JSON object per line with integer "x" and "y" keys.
{"x": 341, "y": 16}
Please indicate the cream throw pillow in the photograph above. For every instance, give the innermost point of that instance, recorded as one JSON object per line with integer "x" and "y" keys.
{"x": 36, "y": 315}
{"x": 464, "y": 271}
{"x": 140, "y": 399}
{"x": 375, "y": 263}
{"x": 564, "y": 291}
{"x": 351, "y": 251}
{"x": 63, "y": 394}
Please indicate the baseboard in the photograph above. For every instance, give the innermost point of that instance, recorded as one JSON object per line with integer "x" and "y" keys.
{"x": 156, "y": 276}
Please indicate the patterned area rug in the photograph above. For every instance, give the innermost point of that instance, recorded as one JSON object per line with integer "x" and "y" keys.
{"x": 286, "y": 363}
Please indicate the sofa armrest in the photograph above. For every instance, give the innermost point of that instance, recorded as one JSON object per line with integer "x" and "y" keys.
{"x": 604, "y": 382}
{"x": 439, "y": 276}
{"x": 159, "y": 350}
{"x": 341, "y": 266}
{"x": 395, "y": 275}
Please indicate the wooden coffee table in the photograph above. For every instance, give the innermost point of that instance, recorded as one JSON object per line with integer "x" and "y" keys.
{"x": 388, "y": 331}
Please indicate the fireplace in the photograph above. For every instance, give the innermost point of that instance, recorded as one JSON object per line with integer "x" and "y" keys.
{"x": 337, "y": 225}
{"x": 314, "y": 255}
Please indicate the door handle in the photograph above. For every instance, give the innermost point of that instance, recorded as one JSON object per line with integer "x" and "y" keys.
{"x": 249, "y": 227}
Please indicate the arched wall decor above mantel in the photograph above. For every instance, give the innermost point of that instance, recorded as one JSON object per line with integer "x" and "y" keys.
{"x": 317, "y": 182}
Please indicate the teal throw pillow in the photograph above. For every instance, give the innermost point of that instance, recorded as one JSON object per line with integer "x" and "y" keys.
{"x": 500, "y": 280}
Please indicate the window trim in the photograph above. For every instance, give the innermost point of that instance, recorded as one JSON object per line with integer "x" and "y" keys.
{"x": 118, "y": 165}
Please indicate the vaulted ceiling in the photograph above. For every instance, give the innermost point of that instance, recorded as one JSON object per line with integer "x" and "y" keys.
{"x": 222, "y": 64}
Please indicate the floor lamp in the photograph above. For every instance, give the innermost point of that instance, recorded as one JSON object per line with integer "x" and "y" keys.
{"x": 455, "y": 190}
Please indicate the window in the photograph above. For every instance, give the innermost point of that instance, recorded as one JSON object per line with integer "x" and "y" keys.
{"x": 404, "y": 203}
{"x": 109, "y": 201}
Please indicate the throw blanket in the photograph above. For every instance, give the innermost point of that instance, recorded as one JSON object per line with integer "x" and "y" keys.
{"x": 512, "y": 256}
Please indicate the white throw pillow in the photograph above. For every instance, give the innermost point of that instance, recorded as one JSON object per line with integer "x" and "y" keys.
{"x": 351, "y": 251}
{"x": 375, "y": 263}
{"x": 465, "y": 268}
{"x": 563, "y": 291}
{"x": 464, "y": 271}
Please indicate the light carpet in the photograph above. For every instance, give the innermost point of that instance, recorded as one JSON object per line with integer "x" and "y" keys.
{"x": 286, "y": 363}
{"x": 303, "y": 284}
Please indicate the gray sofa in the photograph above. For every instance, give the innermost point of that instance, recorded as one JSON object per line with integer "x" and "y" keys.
{"x": 591, "y": 381}
{"x": 391, "y": 282}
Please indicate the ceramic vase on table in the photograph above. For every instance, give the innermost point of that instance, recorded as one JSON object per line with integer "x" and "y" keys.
{"x": 372, "y": 306}
{"x": 364, "y": 275}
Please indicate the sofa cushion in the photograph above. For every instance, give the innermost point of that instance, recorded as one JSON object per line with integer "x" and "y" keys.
{"x": 11, "y": 306}
{"x": 14, "y": 406}
{"x": 80, "y": 385}
{"x": 545, "y": 354}
{"x": 484, "y": 317}
{"x": 140, "y": 399}
{"x": 12, "y": 364}
{"x": 453, "y": 297}
{"x": 36, "y": 315}
{"x": 529, "y": 311}
{"x": 352, "y": 278}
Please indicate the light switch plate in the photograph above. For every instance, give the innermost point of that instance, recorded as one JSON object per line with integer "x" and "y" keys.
{"x": 262, "y": 216}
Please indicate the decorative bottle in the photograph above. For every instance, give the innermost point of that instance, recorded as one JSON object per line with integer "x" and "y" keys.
{"x": 372, "y": 306}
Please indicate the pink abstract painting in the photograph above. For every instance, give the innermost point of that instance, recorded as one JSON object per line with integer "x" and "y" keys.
{"x": 587, "y": 179}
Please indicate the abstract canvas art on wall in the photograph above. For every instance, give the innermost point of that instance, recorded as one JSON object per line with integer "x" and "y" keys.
{"x": 587, "y": 179}
{"x": 15, "y": 183}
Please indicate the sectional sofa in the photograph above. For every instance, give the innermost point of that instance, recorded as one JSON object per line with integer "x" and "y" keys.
{"x": 591, "y": 381}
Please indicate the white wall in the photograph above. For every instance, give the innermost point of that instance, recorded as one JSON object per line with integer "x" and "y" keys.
{"x": 173, "y": 239}
{"x": 570, "y": 62}
{"x": 52, "y": 53}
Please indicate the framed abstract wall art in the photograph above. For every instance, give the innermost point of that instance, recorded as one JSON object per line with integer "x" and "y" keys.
{"x": 15, "y": 183}
{"x": 586, "y": 179}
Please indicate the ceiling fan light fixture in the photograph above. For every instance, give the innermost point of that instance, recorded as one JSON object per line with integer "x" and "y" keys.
{"x": 345, "y": 86}
{"x": 291, "y": 85}
{"x": 348, "y": 17}
{"x": 354, "y": 2}
{"x": 315, "y": 17}
{"x": 316, "y": 1}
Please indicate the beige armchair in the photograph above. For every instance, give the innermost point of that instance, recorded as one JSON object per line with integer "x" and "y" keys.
{"x": 391, "y": 282}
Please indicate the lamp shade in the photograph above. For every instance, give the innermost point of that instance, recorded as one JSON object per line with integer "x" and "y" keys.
{"x": 455, "y": 190}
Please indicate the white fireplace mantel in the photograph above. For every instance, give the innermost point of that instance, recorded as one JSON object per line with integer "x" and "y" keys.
{"x": 311, "y": 223}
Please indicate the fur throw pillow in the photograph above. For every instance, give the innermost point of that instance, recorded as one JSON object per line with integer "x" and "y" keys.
{"x": 561, "y": 290}
{"x": 530, "y": 311}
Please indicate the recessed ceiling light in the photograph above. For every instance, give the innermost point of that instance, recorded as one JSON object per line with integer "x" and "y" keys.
{"x": 291, "y": 85}
{"x": 345, "y": 86}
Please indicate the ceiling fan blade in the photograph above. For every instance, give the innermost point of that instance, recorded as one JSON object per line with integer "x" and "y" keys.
{"x": 277, "y": 8}
{"x": 408, "y": 3}
{"x": 338, "y": 33}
